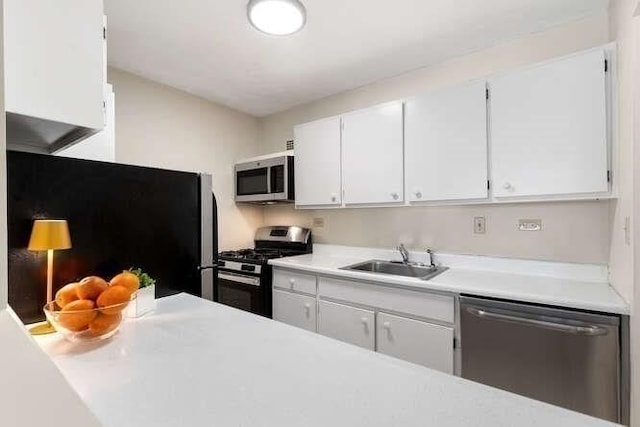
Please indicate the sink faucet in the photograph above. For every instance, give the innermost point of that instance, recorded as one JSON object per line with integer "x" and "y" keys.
{"x": 404, "y": 252}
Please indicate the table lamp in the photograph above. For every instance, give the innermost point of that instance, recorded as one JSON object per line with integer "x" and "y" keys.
{"x": 48, "y": 235}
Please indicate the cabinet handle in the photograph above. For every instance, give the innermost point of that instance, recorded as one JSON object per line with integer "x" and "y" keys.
{"x": 507, "y": 186}
{"x": 418, "y": 194}
{"x": 292, "y": 282}
{"x": 334, "y": 197}
{"x": 364, "y": 321}
{"x": 386, "y": 325}
{"x": 307, "y": 309}
{"x": 395, "y": 196}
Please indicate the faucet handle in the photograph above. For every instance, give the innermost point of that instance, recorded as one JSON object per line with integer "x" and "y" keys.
{"x": 429, "y": 252}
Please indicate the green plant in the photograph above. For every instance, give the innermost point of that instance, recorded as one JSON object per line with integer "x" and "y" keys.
{"x": 145, "y": 279}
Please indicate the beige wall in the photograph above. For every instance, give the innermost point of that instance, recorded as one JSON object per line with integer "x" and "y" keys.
{"x": 163, "y": 127}
{"x": 572, "y": 231}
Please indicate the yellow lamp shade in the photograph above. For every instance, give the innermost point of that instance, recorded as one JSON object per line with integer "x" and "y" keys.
{"x": 49, "y": 234}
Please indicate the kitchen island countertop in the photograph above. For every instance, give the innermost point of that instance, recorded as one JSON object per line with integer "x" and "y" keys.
{"x": 197, "y": 363}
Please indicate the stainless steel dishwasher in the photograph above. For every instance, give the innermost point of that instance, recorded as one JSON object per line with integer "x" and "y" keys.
{"x": 563, "y": 357}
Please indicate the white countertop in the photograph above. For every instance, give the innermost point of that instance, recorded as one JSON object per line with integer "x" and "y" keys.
{"x": 574, "y": 286}
{"x": 197, "y": 363}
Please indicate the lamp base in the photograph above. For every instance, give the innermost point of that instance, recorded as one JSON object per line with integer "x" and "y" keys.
{"x": 43, "y": 328}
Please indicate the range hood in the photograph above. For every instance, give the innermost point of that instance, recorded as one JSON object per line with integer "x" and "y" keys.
{"x": 25, "y": 133}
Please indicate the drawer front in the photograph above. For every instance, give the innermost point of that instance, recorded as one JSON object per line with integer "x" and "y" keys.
{"x": 349, "y": 324}
{"x": 292, "y": 281}
{"x": 422, "y": 304}
{"x": 295, "y": 310}
{"x": 418, "y": 342}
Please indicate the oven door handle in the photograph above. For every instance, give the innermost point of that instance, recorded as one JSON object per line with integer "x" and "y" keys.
{"x": 253, "y": 281}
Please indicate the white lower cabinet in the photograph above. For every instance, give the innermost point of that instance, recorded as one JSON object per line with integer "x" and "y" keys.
{"x": 293, "y": 309}
{"x": 345, "y": 323}
{"x": 358, "y": 313}
{"x": 416, "y": 341}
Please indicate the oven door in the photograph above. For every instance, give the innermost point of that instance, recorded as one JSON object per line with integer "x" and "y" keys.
{"x": 241, "y": 291}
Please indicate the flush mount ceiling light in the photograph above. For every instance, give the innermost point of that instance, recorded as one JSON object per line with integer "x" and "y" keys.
{"x": 277, "y": 17}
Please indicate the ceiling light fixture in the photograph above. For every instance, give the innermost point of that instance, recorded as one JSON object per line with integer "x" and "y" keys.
{"x": 277, "y": 17}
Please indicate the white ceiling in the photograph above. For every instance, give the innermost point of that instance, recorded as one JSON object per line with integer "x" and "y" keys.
{"x": 207, "y": 47}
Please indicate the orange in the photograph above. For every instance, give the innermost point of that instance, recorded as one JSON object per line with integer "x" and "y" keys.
{"x": 112, "y": 296}
{"x": 66, "y": 294}
{"x": 127, "y": 280}
{"x": 77, "y": 315}
{"x": 104, "y": 323}
{"x": 91, "y": 287}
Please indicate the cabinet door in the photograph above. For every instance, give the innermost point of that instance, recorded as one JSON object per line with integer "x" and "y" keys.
{"x": 372, "y": 155}
{"x": 446, "y": 144}
{"x": 348, "y": 324}
{"x": 101, "y": 146}
{"x": 415, "y": 341}
{"x": 549, "y": 128}
{"x": 295, "y": 310}
{"x": 54, "y": 66}
{"x": 317, "y": 163}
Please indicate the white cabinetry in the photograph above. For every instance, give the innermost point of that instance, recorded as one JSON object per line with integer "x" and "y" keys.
{"x": 416, "y": 341}
{"x": 294, "y": 309}
{"x": 294, "y": 281}
{"x": 446, "y": 144}
{"x": 346, "y": 323}
{"x": 372, "y": 155}
{"x": 54, "y": 65}
{"x": 420, "y": 330}
{"x": 317, "y": 163}
{"x": 549, "y": 128}
{"x": 102, "y": 145}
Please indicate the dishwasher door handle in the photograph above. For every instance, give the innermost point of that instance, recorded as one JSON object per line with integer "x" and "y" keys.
{"x": 585, "y": 329}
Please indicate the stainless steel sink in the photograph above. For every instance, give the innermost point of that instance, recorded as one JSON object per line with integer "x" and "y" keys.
{"x": 395, "y": 268}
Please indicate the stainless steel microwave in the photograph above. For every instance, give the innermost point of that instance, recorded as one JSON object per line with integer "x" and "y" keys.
{"x": 265, "y": 180}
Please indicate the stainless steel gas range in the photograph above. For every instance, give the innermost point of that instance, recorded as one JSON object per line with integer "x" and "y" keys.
{"x": 244, "y": 276}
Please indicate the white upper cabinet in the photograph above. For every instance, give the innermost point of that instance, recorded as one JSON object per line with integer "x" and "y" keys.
{"x": 549, "y": 128}
{"x": 372, "y": 155}
{"x": 54, "y": 60}
{"x": 446, "y": 144}
{"x": 101, "y": 146}
{"x": 317, "y": 163}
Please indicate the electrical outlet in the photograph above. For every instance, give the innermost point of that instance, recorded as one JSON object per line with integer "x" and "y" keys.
{"x": 479, "y": 225}
{"x": 627, "y": 231}
{"x": 317, "y": 222}
{"x": 530, "y": 225}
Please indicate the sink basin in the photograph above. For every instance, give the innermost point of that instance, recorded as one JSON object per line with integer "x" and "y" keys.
{"x": 395, "y": 268}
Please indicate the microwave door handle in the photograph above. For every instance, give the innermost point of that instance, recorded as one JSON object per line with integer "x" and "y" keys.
{"x": 268, "y": 179}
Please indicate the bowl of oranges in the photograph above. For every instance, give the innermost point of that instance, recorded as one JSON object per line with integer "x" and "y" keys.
{"x": 92, "y": 309}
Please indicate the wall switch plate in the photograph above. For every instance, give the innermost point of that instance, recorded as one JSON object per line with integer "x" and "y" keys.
{"x": 479, "y": 225}
{"x": 317, "y": 223}
{"x": 530, "y": 225}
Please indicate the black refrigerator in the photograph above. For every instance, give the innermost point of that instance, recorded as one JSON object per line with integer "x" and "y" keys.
{"x": 119, "y": 216}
